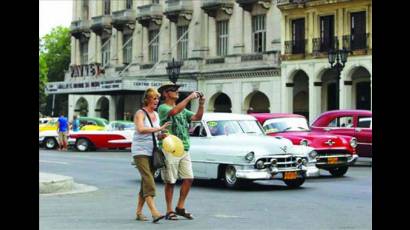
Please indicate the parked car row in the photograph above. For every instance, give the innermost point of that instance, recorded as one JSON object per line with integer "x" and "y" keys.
{"x": 240, "y": 148}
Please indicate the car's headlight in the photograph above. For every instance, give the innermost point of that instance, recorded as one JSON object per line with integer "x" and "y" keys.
{"x": 304, "y": 142}
{"x": 249, "y": 156}
{"x": 353, "y": 142}
{"x": 260, "y": 164}
{"x": 313, "y": 154}
{"x": 40, "y": 138}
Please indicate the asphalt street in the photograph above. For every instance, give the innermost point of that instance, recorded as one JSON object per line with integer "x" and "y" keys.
{"x": 321, "y": 203}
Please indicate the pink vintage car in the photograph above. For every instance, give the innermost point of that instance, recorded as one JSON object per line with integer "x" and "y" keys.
{"x": 335, "y": 152}
{"x": 355, "y": 123}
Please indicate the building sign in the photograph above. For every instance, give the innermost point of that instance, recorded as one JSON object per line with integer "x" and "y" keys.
{"x": 100, "y": 86}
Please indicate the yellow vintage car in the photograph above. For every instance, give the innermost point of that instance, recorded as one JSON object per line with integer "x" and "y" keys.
{"x": 86, "y": 123}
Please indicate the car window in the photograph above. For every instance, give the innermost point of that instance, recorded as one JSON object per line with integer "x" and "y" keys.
{"x": 196, "y": 130}
{"x": 342, "y": 122}
{"x": 364, "y": 122}
{"x": 218, "y": 128}
{"x": 284, "y": 124}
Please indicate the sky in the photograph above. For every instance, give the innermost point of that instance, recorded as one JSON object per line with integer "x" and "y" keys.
{"x": 54, "y": 13}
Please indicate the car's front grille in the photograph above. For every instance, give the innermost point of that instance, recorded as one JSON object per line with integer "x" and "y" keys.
{"x": 285, "y": 161}
{"x": 324, "y": 155}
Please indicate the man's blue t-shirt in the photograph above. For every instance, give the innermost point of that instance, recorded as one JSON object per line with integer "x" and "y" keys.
{"x": 76, "y": 125}
{"x": 62, "y": 124}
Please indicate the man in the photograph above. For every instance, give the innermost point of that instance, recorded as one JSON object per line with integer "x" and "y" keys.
{"x": 62, "y": 130}
{"x": 75, "y": 124}
{"x": 178, "y": 167}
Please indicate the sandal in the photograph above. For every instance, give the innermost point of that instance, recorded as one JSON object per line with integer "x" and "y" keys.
{"x": 156, "y": 219}
{"x": 171, "y": 216}
{"x": 181, "y": 212}
{"x": 141, "y": 217}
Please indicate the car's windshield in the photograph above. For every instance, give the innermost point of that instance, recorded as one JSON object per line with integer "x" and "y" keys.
{"x": 285, "y": 124}
{"x": 122, "y": 126}
{"x": 218, "y": 128}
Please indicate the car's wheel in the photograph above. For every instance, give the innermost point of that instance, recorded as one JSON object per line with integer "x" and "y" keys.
{"x": 157, "y": 175}
{"x": 50, "y": 143}
{"x": 296, "y": 183}
{"x": 82, "y": 144}
{"x": 339, "y": 171}
{"x": 230, "y": 179}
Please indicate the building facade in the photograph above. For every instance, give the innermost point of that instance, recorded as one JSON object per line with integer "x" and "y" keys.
{"x": 234, "y": 51}
{"x": 309, "y": 30}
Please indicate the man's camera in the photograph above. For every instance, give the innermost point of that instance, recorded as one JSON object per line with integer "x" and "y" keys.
{"x": 200, "y": 94}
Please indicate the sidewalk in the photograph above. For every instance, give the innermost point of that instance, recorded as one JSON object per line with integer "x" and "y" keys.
{"x": 54, "y": 184}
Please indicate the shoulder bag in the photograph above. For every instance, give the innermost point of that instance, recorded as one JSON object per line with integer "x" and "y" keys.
{"x": 158, "y": 157}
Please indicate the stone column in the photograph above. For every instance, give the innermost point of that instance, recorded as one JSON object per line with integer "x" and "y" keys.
{"x": 120, "y": 43}
{"x": 236, "y": 30}
{"x": 247, "y": 32}
{"x": 137, "y": 43}
{"x": 113, "y": 47}
{"x": 73, "y": 51}
{"x": 145, "y": 47}
{"x": 315, "y": 95}
{"x": 78, "y": 53}
{"x": 237, "y": 103}
{"x": 112, "y": 108}
{"x": 212, "y": 43}
{"x": 164, "y": 41}
{"x": 346, "y": 92}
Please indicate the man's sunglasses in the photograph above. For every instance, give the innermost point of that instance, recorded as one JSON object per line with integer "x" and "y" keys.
{"x": 172, "y": 90}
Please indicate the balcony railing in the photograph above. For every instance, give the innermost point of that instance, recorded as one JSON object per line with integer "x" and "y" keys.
{"x": 295, "y": 46}
{"x": 212, "y": 6}
{"x": 101, "y": 23}
{"x": 175, "y": 8}
{"x": 148, "y": 13}
{"x": 80, "y": 27}
{"x": 322, "y": 45}
{"x": 355, "y": 42}
{"x": 122, "y": 18}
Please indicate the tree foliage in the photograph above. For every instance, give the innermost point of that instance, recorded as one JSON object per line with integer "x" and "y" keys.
{"x": 55, "y": 51}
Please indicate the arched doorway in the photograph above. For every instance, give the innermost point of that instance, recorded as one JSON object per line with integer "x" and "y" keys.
{"x": 103, "y": 108}
{"x": 301, "y": 94}
{"x": 81, "y": 107}
{"x": 257, "y": 102}
{"x": 329, "y": 90}
{"x": 222, "y": 103}
{"x": 361, "y": 88}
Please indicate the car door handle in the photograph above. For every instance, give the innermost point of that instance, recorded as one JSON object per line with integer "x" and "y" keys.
{"x": 358, "y": 129}
{"x": 327, "y": 129}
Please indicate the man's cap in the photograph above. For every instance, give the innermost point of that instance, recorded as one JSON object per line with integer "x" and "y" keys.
{"x": 166, "y": 86}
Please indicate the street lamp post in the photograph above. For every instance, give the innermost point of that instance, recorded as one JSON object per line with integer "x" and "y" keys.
{"x": 337, "y": 59}
{"x": 173, "y": 69}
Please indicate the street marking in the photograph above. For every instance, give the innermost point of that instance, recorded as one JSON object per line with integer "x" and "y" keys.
{"x": 225, "y": 216}
{"x": 54, "y": 162}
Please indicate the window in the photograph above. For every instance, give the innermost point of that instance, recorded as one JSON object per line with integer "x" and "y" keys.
{"x": 105, "y": 51}
{"x": 127, "y": 48}
{"x": 84, "y": 52}
{"x": 107, "y": 7}
{"x": 298, "y": 36}
{"x": 344, "y": 122}
{"x": 364, "y": 122}
{"x": 182, "y": 48}
{"x": 222, "y": 38}
{"x": 358, "y": 35}
{"x": 128, "y": 4}
{"x": 153, "y": 39}
{"x": 155, "y": 1}
{"x": 326, "y": 33}
{"x": 258, "y": 33}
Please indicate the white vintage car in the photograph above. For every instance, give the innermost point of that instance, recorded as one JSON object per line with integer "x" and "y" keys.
{"x": 234, "y": 148}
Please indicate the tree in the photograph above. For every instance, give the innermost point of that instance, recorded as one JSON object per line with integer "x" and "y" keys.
{"x": 55, "y": 50}
{"x": 43, "y": 71}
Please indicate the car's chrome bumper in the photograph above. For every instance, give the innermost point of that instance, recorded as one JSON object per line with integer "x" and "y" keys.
{"x": 71, "y": 141}
{"x": 267, "y": 173}
{"x": 351, "y": 160}
{"x": 41, "y": 140}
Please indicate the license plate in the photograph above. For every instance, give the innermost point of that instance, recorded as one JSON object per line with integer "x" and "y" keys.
{"x": 332, "y": 160}
{"x": 290, "y": 175}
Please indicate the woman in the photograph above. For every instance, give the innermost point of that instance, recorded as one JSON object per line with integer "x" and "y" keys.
{"x": 141, "y": 149}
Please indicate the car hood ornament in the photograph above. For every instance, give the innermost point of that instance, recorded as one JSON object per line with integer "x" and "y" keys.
{"x": 330, "y": 142}
{"x": 284, "y": 148}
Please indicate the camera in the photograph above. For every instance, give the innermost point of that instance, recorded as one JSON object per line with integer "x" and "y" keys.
{"x": 200, "y": 94}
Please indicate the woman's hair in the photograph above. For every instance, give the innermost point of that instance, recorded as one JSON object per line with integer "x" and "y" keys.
{"x": 149, "y": 93}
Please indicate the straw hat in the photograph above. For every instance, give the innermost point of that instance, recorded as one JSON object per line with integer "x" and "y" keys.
{"x": 166, "y": 86}
{"x": 173, "y": 145}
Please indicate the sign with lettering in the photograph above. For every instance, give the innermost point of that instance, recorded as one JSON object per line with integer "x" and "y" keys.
{"x": 100, "y": 86}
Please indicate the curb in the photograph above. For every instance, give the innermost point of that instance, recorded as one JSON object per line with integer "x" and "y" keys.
{"x": 53, "y": 184}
